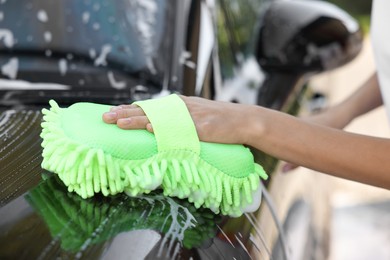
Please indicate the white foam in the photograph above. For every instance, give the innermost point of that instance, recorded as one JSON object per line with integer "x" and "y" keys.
{"x": 101, "y": 60}
{"x": 5, "y": 116}
{"x": 7, "y": 37}
{"x": 115, "y": 84}
{"x": 177, "y": 227}
{"x": 256, "y": 197}
{"x": 157, "y": 181}
{"x": 10, "y": 69}
{"x": 63, "y": 66}
{"x": 6, "y": 84}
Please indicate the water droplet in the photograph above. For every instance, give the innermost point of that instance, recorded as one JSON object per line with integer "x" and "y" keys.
{"x": 92, "y": 53}
{"x": 86, "y": 17}
{"x": 96, "y": 26}
{"x": 48, "y": 37}
{"x": 81, "y": 83}
{"x": 42, "y": 16}
{"x": 96, "y": 7}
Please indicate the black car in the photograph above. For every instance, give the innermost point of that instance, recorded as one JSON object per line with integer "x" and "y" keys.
{"x": 248, "y": 51}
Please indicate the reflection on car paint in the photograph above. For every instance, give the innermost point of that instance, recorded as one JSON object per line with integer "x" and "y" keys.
{"x": 5, "y": 116}
{"x": 257, "y": 239}
{"x": 282, "y": 235}
{"x": 78, "y": 223}
{"x": 242, "y": 244}
{"x": 19, "y": 173}
{"x": 225, "y": 236}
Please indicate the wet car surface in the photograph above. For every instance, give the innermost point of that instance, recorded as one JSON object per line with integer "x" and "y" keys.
{"x": 129, "y": 50}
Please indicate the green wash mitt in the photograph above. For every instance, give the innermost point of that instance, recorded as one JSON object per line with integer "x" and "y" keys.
{"x": 78, "y": 223}
{"x": 91, "y": 157}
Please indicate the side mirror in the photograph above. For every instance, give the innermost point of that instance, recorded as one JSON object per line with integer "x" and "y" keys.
{"x": 298, "y": 38}
{"x": 306, "y": 36}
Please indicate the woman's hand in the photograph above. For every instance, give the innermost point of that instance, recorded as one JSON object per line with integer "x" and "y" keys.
{"x": 219, "y": 122}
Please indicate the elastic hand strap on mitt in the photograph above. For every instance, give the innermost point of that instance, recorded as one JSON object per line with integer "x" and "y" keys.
{"x": 172, "y": 124}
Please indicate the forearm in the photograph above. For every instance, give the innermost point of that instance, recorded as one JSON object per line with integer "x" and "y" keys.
{"x": 342, "y": 154}
{"x": 365, "y": 99}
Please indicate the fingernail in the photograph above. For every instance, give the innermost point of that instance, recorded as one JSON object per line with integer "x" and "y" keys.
{"x": 110, "y": 115}
{"x": 149, "y": 127}
{"x": 125, "y": 121}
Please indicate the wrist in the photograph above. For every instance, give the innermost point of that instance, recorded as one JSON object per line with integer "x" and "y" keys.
{"x": 254, "y": 127}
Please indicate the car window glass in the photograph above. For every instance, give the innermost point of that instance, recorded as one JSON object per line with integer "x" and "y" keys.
{"x": 127, "y": 35}
{"x": 236, "y": 23}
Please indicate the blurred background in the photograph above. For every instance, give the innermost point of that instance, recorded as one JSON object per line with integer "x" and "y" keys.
{"x": 360, "y": 213}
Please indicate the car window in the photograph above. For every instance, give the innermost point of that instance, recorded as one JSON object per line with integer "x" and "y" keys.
{"x": 74, "y": 34}
{"x": 237, "y": 21}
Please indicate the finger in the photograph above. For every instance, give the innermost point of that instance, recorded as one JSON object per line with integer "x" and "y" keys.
{"x": 129, "y": 112}
{"x": 137, "y": 122}
{"x": 149, "y": 127}
{"x": 116, "y": 108}
{"x": 110, "y": 117}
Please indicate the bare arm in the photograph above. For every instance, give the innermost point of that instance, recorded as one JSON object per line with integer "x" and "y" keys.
{"x": 339, "y": 153}
{"x": 302, "y": 142}
{"x": 365, "y": 99}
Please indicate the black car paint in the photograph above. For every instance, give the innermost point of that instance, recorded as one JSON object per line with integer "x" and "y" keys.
{"x": 40, "y": 219}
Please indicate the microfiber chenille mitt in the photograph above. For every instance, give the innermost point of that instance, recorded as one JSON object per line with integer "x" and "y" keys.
{"x": 91, "y": 157}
